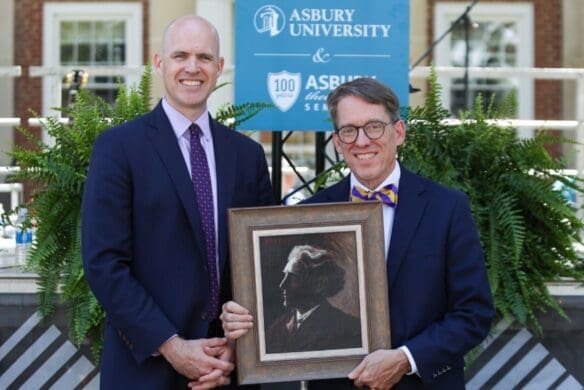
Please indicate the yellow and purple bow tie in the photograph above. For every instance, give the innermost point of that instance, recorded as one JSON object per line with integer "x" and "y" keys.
{"x": 387, "y": 194}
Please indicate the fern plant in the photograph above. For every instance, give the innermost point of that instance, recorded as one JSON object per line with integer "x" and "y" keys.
{"x": 59, "y": 171}
{"x": 528, "y": 230}
{"x": 232, "y": 116}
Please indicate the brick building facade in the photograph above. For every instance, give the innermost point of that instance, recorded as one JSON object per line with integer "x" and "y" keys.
{"x": 28, "y": 51}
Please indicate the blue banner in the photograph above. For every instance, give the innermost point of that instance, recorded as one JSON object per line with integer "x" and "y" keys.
{"x": 294, "y": 53}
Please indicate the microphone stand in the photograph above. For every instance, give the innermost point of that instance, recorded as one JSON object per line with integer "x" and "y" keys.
{"x": 466, "y": 22}
{"x": 445, "y": 33}
{"x": 465, "y": 18}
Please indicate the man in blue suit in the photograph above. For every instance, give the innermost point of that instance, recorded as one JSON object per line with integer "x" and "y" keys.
{"x": 439, "y": 296}
{"x": 151, "y": 237}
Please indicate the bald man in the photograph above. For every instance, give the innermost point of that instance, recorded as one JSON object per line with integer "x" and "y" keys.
{"x": 154, "y": 231}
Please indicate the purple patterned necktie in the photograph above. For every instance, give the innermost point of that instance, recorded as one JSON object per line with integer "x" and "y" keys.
{"x": 202, "y": 185}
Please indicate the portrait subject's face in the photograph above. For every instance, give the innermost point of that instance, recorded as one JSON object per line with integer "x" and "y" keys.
{"x": 295, "y": 293}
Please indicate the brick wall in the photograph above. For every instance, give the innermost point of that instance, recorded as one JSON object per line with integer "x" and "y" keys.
{"x": 548, "y": 53}
{"x": 27, "y": 52}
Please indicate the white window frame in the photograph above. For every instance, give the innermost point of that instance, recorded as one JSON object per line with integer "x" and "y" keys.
{"x": 55, "y": 13}
{"x": 521, "y": 14}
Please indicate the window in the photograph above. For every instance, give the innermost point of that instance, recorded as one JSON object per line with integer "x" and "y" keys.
{"x": 500, "y": 35}
{"x": 90, "y": 34}
{"x": 94, "y": 43}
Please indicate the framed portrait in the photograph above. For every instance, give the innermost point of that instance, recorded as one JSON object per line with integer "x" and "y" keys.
{"x": 314, "y": 278}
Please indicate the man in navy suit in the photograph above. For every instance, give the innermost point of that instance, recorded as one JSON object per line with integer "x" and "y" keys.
{"x": 439, "y": 296}
{"x": 145, "y": 247}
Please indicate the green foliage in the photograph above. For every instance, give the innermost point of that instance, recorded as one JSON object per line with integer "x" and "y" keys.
{"x": 59, "y": 171}
{"x": 332, "y": 175}
{"x": 528, "y": 229}
{"x": 233, "y": 116}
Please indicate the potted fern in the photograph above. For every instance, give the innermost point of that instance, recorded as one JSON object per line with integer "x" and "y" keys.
{"x": 59, "y": 171}
{"x": 528, "y": 229}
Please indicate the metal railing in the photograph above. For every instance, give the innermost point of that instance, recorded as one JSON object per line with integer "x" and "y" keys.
{"x": 575, "y": 74}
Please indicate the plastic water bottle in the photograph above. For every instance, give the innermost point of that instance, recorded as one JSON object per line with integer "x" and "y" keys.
{"x": 23, "y": 237}
{"x": 1, "y": 221}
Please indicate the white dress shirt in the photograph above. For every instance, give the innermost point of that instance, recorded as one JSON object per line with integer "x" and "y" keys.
{"x": 388, "y": 212}
{"x": 180, "y": 125}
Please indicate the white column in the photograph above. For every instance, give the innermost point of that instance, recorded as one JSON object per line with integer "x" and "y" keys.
{"x": 222, "y": 14}
{"x": 580, "y": 135}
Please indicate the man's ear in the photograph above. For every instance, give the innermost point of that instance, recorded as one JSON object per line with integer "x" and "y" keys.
{"x": 220, "y": 65}
{"x": 400, "y": 132}
{"x": 157, "y": 63}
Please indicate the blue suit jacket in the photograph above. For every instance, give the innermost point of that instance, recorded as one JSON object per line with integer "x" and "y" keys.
{"x": 143, "y": 243}
{"x": 439, "y": 296}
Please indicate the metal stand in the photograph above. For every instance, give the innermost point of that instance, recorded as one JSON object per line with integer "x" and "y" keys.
{"x": 319, "y": 152}
{"x": 321, "y": 158}
{"x": 445, "y": 33}
{"x": 277, "y": 151}
{"x": 465, "y": 19}
{"x": 321, "y": 140}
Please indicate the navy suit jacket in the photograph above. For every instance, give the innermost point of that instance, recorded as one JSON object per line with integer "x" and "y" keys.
{"x": 143, "y": 244}
{"x": 439, "y": 296}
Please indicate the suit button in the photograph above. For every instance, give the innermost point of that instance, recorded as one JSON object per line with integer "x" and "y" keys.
{"x": 204, "y": 316}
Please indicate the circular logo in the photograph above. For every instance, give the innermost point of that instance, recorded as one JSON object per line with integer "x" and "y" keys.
{"x": 269, "y": 19}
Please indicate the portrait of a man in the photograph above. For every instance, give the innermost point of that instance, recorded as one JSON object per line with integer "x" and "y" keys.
{"x": 309, "y": 322}
{"x": 309, "y": 290}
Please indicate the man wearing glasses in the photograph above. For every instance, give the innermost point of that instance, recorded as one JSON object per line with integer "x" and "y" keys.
{"x": 439, "y": 296}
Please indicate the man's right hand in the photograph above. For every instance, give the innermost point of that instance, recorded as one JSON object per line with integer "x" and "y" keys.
{"x": 236, "y": 320}
{"x": 188, "y": 357}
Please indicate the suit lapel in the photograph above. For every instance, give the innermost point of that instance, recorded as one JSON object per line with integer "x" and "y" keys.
{"x": 341, "y": 191}
{"x": 166, "y": 145}
{"x": 408, "y": 213}
{"x": 225, "y": 161}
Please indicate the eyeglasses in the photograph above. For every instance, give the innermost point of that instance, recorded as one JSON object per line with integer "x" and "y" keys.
{"x": 373, "y": 130}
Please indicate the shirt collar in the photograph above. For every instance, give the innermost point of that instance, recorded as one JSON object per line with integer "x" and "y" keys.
{"x": 393, "y": 178}
{"x": 301, "y": 317}
{"x": 180, "y": 123}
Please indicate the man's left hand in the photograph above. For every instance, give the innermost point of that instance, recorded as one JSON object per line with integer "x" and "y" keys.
{"x": 381, "y": 369}
{"x": 216, "y": 377}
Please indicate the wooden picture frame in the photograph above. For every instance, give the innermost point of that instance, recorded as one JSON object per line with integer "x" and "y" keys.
{"x": 264, "y": 242}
